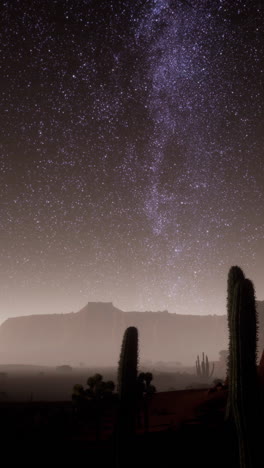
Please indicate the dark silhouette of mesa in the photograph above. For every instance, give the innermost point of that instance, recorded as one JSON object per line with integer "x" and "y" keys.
{"x": 121, "y": 416}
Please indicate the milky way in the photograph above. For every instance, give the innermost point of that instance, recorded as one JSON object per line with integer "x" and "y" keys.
{"x": 132, "y": 162}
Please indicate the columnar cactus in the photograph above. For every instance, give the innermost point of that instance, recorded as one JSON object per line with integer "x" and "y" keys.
{"x": 127, "y": 367}
{"x": 235, "y": 274}
{"x": 243, "y": 371}
{"x": 127, "y": 391}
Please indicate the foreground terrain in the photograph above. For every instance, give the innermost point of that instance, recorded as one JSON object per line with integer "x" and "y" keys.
{"x": 186, "y": 428}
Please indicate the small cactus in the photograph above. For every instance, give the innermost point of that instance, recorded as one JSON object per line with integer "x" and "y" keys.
{"x": 203, "y": 368}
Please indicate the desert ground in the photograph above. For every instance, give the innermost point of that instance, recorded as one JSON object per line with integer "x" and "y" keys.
{"x": 186, "y": 427}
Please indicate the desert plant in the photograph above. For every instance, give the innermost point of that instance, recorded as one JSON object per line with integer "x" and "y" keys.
{"x": 97, "y": 390}
{"x": 91, "y": 401}
{"x": 127, "y": 367}
{"x": 127, "y": 392}
{"x": 149, "y": 391}
{"x": 141, "y": 389}
{"x": 235, "y": 274}
{"x": 203, "y": 368}
{"x": 94, "y": 381}
{"x": 243, "y": 389}
{"x": 78, "y": 390}
{"x": 145, "y": 391}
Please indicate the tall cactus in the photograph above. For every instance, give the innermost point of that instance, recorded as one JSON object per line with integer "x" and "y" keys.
{"x": 127, "y": 391}
{"x": 128, "y": 363}
{"x": 243, "y": 371}
{"x": 235, "y": 274}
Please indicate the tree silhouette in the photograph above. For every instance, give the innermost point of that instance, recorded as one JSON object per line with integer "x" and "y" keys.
{"x": 91, "y": 401}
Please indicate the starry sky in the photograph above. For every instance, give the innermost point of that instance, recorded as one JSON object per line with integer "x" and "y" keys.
{"x": 132, "y": 161}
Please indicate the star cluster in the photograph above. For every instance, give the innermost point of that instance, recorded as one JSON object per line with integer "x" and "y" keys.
{"x": 131, "y": 159}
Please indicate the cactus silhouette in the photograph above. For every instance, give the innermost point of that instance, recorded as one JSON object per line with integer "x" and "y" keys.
{"x": 145, "y": 392}
{"x": 127, "y": 367}
{"x": 235, "y": 274}
{"x": 203, "y": 368}
{"x": 243, "y": 371}
{"x": 127, "y": 391}
{"x": 149, "y": 392}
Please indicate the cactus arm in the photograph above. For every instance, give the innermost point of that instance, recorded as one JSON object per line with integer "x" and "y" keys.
{"x": 206, "y": 367}
{"x": 198, "y": 367}
{"x": 212, "y": 371}
{"x": 203, "y": 367}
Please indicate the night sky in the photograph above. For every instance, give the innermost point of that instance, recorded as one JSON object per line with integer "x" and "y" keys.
{"x": 132, "y": 153}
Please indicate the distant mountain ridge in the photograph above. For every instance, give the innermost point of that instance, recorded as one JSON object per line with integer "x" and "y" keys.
{"x": 93, "y": 336}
